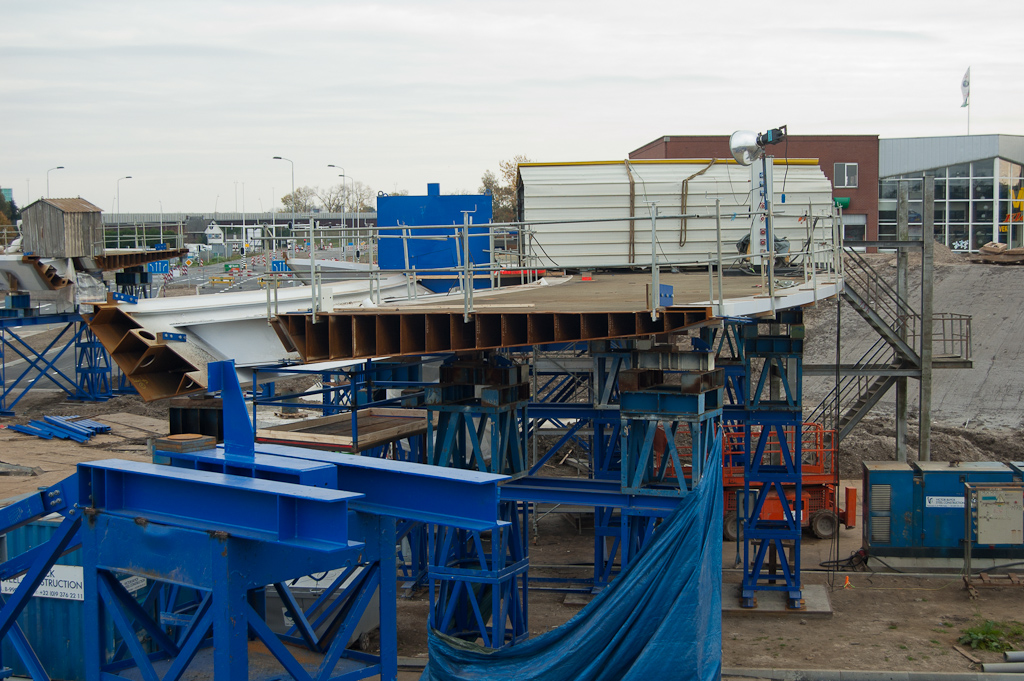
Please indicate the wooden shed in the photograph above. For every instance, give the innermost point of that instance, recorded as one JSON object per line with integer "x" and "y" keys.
{"x": 62, "y": 228}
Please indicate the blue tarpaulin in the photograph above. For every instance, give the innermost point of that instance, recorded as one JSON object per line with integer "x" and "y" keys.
{"x": 660, "y": 619}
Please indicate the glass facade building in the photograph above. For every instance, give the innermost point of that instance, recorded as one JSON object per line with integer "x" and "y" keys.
{"x": 976, "y": 201}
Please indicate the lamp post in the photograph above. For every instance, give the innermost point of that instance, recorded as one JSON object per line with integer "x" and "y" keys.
{"x": 48, "y": 179}
{"x": 355, "y": 216}
{"x": 282, "y": 158}
{"x": 344, "y": 177}
{"x": 344, "y": 222}
{"x": 126, "y": 177}
{"x": 161, "y": 221}
{"x": 312, "y": 243}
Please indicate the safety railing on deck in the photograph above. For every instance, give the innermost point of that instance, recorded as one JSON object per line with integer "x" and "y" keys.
{"x": 878, "y": 294}
{"x": 951, "y": 336}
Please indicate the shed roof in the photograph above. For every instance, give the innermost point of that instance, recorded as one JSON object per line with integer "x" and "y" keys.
{"x": 77, "y": 205}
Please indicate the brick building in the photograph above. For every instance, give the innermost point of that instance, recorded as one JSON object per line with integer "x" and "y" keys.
{"x": 850, "y": 162}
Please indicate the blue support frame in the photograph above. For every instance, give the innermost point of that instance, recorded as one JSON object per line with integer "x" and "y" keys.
{"x": 38, "y": 365}
{"x": 276, "y": 516}
{"x": 479, "y": 594}
{"x": 646, "y": 413}
{"x": 479, "y": 581}
{"x": 35, "y": 564}
{"x": 459, "y": 422}
{"x": 92, "y": 367}
{"x": 765, "y": 355}
{"x": 238, "y": 534}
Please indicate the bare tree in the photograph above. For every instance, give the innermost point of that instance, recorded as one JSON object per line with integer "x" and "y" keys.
{"x": 304, "y": 200}
{"x": 363, "y": 198}
{"x": 332, "y": 198}
{"x": 503, "y": 189}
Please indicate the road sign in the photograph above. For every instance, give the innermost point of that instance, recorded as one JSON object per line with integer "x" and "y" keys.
{"x": 158, "y": 267}
{"x": 278, "y": 266}
{"x": 189, "y": 262}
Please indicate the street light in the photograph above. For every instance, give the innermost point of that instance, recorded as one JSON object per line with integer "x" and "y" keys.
{"x": 344, "y": 222}
{"x": 126, "y": 177}
{"x": 315, "y": 307}
{"x": 48, "y": 179}
{"x": 282, "y": 158}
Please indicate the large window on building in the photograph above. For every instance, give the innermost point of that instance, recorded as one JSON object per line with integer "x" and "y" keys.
{"x": 973, "y": 204}
{"x": 844, "y": 175}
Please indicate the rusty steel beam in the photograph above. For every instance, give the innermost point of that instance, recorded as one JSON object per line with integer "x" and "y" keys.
{"x": 150, "y": 363}
{"x": 119, "y": 261}
{"x": 378, "y": 333}
{"x": 47, "y": 273}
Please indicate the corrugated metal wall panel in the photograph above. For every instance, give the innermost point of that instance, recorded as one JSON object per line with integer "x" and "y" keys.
{"x": 569, "y": 192}
{"x": 53, "y": 626}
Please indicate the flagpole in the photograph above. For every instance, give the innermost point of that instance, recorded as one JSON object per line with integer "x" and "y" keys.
{"x": 965, "y": 89}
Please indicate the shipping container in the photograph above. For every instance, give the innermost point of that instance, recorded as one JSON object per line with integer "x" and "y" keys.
{"x": 52, "y": 620}
{"x": 599, "y": 214}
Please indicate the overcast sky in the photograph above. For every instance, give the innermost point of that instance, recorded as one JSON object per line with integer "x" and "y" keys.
{"x": 190, "y": 98}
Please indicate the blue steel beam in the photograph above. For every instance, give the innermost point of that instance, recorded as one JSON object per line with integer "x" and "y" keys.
{"x": 545, "y": 410}
{"x": 293, "y": 515}
{"x": 55, "y": 499}
{"x": 401, "y": 489}
{"x": 264, "y": 467}
{"x": 584, "y": 492}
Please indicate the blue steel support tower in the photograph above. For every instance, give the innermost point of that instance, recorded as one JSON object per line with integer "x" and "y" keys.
{"x": 478, "y": 580}
{"x": 773, "y": 455}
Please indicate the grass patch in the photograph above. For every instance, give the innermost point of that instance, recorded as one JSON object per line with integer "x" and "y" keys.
{"x": 994, "y": 636}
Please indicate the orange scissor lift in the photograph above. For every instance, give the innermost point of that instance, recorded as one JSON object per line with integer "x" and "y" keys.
{"x": 819, "y": 508}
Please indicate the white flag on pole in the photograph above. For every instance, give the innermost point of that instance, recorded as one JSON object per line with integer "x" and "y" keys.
{"x": 965, "y": 87}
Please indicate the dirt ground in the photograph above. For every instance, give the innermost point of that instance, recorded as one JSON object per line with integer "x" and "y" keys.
{"x": 883, "y": 621}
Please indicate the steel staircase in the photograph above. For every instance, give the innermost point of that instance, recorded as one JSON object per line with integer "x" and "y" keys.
{"x": 897, "y": 347}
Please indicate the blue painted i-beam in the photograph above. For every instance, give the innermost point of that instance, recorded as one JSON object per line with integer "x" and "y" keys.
{"x": 294, "y": 515}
